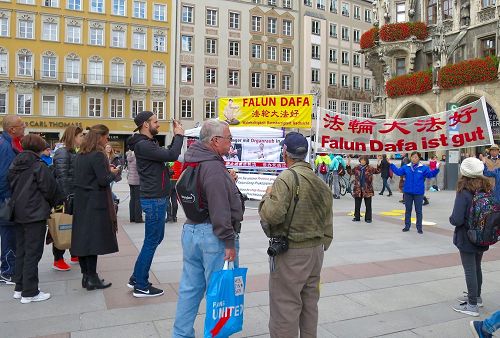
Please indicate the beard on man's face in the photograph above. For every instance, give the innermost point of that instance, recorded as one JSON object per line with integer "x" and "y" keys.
{"x": 153, "y": 131}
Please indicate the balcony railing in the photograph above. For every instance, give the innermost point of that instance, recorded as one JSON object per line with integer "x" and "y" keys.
{"x": 82, "y": 79}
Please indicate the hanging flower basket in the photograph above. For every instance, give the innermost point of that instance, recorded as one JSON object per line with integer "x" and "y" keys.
{"x": 468, "y": 72}
{"x": 410, "y": 84}
{"x": 368, "y": 38}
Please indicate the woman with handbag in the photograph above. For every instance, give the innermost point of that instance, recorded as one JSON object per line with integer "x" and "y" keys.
{"x": 34, "y": 193}
{"x": 64, "y": 158}
{"x": 94, "y": 216}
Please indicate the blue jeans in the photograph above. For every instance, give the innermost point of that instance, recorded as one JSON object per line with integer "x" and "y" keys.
{"x": 8, "y": 249}
{"x": 411, "y": 199}
{"x": 492, "y": 323}
{"x": 385, "y": 184}
{"x": 203, "y": 253}
{"x": 155, "y": 210}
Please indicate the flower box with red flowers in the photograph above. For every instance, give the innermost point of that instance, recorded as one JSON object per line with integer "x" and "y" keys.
{"x": 403, "y": 30}
{"x": 410, "y": 84}
{"x": 368, "y": 38}
{"x": 468, "y": 72}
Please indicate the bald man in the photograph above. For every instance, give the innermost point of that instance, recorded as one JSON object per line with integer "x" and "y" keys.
{"x": 10, "y": 146}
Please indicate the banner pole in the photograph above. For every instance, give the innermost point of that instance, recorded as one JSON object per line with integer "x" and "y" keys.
{"x": 318, "y": 117}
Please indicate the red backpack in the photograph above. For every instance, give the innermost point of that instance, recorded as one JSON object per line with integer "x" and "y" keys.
{"x": 322, "y": 168}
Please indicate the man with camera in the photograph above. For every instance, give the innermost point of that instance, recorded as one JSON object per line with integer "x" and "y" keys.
{"x": 296, "y": 213}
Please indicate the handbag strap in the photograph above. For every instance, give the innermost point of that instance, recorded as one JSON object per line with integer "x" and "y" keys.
{"x": 295, "y": 201}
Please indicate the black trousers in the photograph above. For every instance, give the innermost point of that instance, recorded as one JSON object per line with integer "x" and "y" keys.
{"x": 173, "y": 205}
{"x": 471, "y": 263}
{"x": 357, "y": 208}
{"x": 88, "y": 264}
{"x": 134, "y": 205}
{"x": 30, "y": 239}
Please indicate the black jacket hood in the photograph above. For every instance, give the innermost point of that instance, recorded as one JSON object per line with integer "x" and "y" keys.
{"x": 134, "y": 139}
{"x": 24, "y": 161}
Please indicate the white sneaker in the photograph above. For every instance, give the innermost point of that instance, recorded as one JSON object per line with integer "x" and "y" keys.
{"x": 38, "y": 298}
{"x": 17, "y": 294}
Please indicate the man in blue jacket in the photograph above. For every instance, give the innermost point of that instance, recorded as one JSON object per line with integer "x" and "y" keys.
{"x": 10, "y": 146}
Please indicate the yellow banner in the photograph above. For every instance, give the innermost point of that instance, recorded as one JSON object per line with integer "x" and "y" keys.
{"x": 290, "y": 111}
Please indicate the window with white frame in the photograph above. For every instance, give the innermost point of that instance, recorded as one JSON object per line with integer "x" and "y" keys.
{"x": 50, "y": 31}
{"x": 332, "y": 105}
{"x": 333, "y": 56}
{"x": 96, "y": 71}
{"x": 315, "y": 27}
{"x": 4, "y": 27}
{"x": 210, "y": 110}
{"x": 368, "y": 85}
{"x": 345, "y": 33}
{"x": 286, "y": 82}
{"x": 95, "y": 107}
{"x": 186, "y": 74}
{"x": 211, "y": 76}
{"x": 3, "y": 103}
{"x": 234, "y": 78}
{"x": 287, "y": 4}
{"x": 4, "y": 62}
{"x": 49, "y": 66}
{"x": 315, "y": 52}
{"x": 333, "y": 30}
{"x": 119, "y": 7}
{"x": 49, "y": 105}
{"x": 186, "y": 108}
{"x": 51, "y": 3}
{"x": 140, "y": 9}
{"x": 137, "y": 107}
{"x": 287, "y": 28}
{"x": 256, "y": 80}
{"x": 256, "y": 51}
{"x": 320, "y": 4}
{"x": 272, "y": 52}
{"x": 97, "y": 6}
{"x": 271, "y": 80}
{"x": 356, "y": 60}
{"x": 256, "y": 23}
{"x": 159, "y": 43}
{"x": 139, "y": 73}
{"x": 158, "y": 108}
{"x": 187, "y": 14}
{"x": 400, "y": 12}
{"x": 212, "y": 17}
{"x": 315, "y": 77}
{"x": 345, "y": 9}
{"x": 96, "y": 36}
{"x": 356, "y": 35}
{"x": 234, "y": 20}
{"x": 334, "y": 6}
{"x": 272, "y": 25}
{"x": 72, "y": 69}
{"x": 118, "y": 39}
{"x": 357, "y": 12}
{"x": 25, "y": 29}
{"x": 345, "y": 58}
{"x": 187, "y": 43}
{"x": 356, "y": 110}
{"x": 355, "y": 82}
{"x": 234, "y": 48}
{"x": 139, "y": 40}
{"x": 286, "y": 55}
{"x": 75, "y": 5}
{"x": 332, "y": 79}
{"x": 117, "y": 72}
{"x": 24, "y": 104}
{"x": 116, "y": 108}
{"x": 160, "y": 12}
{"x": 73, "y": 34}
{"x": 367, "y": 110}
{"x": 308, "y": 3}
{"x": 159, "y": 74}
{"x": 344, "y": 107}
{"x": 25, "y": 64}
{"x": 72, "y": 105}
{"x": 345, "y": 80}
{"x": 211, "y": 46}
{"x": 368, "y": 15}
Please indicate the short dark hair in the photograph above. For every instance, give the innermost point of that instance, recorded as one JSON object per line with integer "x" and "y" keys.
{"x": 34, "y": 142}
{"x": 364, "y": 157}
{"x": 416, "y": 153}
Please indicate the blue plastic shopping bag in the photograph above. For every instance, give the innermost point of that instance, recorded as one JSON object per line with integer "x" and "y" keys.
{"x": 225, "y": 301}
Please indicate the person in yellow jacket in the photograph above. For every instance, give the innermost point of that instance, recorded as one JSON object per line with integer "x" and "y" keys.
{"x": 322, "y": 164}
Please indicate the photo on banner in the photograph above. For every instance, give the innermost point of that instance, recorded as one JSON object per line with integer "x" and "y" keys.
{"x": 255, "y": 153}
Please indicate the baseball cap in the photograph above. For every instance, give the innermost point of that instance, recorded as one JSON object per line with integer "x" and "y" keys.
{"x": 296, "y": 143}
{"x": 142, "y": 117}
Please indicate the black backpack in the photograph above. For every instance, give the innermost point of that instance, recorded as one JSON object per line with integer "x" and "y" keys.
{"x": 189, "y": 192}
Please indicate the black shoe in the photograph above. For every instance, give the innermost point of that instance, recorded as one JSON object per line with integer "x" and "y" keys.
{"x": 402, "y": 201}
{"x": 405, "y": 229}
{"x": 420, "y": 231}
{"x": 151, "y": 291}
{"x": 94, "y": 282}
{"x": 131, "y": 283}
{"x": 139, "y": 221}
{"x": 380, "y": 193}
{"x": 426, "y": 202}
{"x": 355, "y": 219}
{"x": 7, "y": 280}
{"x": 368, "y": 221}
{"x": 85, "y": 279}
{"x": 336, "y": 197}
{"x": 390, "y": 194}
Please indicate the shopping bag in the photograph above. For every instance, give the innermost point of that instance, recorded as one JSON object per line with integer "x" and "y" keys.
{"x": 60, "y": 226}
{"x": 225, "y": 301}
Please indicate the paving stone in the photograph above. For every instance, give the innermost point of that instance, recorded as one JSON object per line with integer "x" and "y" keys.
{"x": 137, "y": 330}
{"x": 48, "y": 325}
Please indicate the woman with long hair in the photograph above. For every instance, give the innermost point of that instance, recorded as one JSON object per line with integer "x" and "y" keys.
{"x": 471, "y": 182}
{"x": 64, "y": 158}
{"x": 94, "y": 217}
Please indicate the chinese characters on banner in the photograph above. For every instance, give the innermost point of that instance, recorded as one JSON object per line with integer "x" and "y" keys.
{"x": 290, "y": 111}
{"x": 467, "y": 126}
{"x": 255, "y": 153}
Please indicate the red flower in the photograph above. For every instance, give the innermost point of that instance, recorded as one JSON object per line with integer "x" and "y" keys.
{"x": 403, "y": 30}
{"x": 468, "y": 72}
{"x": 368, "y": 38}
{"x": 410, "y": 84}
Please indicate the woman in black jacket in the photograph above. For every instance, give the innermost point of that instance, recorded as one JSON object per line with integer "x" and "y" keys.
{"x": 94, "y": 217}
{"x": 63, "y": 169}
{"x": 34, "y": 192}
{"x": 385, "y": 173}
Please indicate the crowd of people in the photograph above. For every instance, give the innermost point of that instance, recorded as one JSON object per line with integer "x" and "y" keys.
{"x": 296, "y": 212}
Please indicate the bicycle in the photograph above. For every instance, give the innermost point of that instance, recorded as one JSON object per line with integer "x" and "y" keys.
{"x": 345, "y": 184}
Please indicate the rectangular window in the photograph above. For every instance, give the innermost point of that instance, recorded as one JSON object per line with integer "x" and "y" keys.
{"x": 315, "y": 77}
{"x": 72, "y": 105}
{"x": 160, "y": 12}
{"x": 210, "y": 76}
{"x": 72, "y": 71}
{"x": 400, "y": 66}
{"x": 356, "y": 35}
{"x": 210, "y": 109}
{"x": 286, "y": 55}
{"x": 367, "y": 110}
{"x": 345, "y": 9}
{"x": 315, "y": 52}
{"x": 75, "y": 5}
{"x": 368, "y": 15}
{"x": 234, "y": 48}
{"x": 50, "y": 31}
{"x": 287, "y": 4}
{"x": 26, "y": 29}
{"x": 345, "y": 33}
{"x": 139, "y": 74}
{"x": 256, "y": 23}
{"x": 186, "y": 74}
{"x": 234, "y": 20}
{"x": 159, "y": 43}
{"x": 116, "y": 108}
{"x": 3, "y": 103}
{"x": 332, "y": 105}
{"x": 159, "y": 109}
{"x": 24, "y": 104}
{"x": 96, "y": 72}
{"x": 332, "y": 79}
{"x": 95, "y": 107}
{"x": 4, "y": 64}
{"x": 447, "y": 9}
{"x": 344, "y": 107}
{"x": 356, "y": 60}
{"x": 271, "y": 53}
{"x": 211, "y": 46}
{"x": 97, "y": 6}
{"x": 73, "y": 34}
{"x": 356, "y": 109}
{"x": 272, "y": 24}
{"x": 187, "y": 14}
{"x": 25, "y": 65}
{"x": 320, "y": 4}
{"x": 345, "y": 80}
{"x": 118, "y": 72}
{"x": 286, "y": 82}
{"x": 334, "y": 6}
{"x": 333, "y": 30}
{"x": 432, "y": 12}
{"x": 308, "y": 3}
{"x": 287, "y": 27}
{"x": 315, "y": 27}
{"x": 96, "y": 36}
{"x": 345, "y": 58}
{"x": 333, "y": 56}
{"x": 49, "y": 105}
{"x": 49, "y": 68}
{"x": 488, "y": 46}
{"x": 186, "y": 108}
{"x": 256, "y": 80}
{"x": 234, "y": 78}
{"x": 118, "y": 39}
{"x": 357, "y": 13}
{"x": 139, "y": 40}
{"x": 4, "y": 27}
{"x": 137, "y": 107}
{"x": 355, "y": 82}
{"x": 140, "y": 9}
{"x": 51, "y": 3}
{"x": 186, "y": 43}
{"x": 119, "y": 7}
{"x": 271, "y": 81}
{"x": 367, "y": 84}
{"x": 488, "y": 3}
{"x": 212, "y": 17}
{"x": 400, "y": 12}
{"x": 256, "y": 51}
